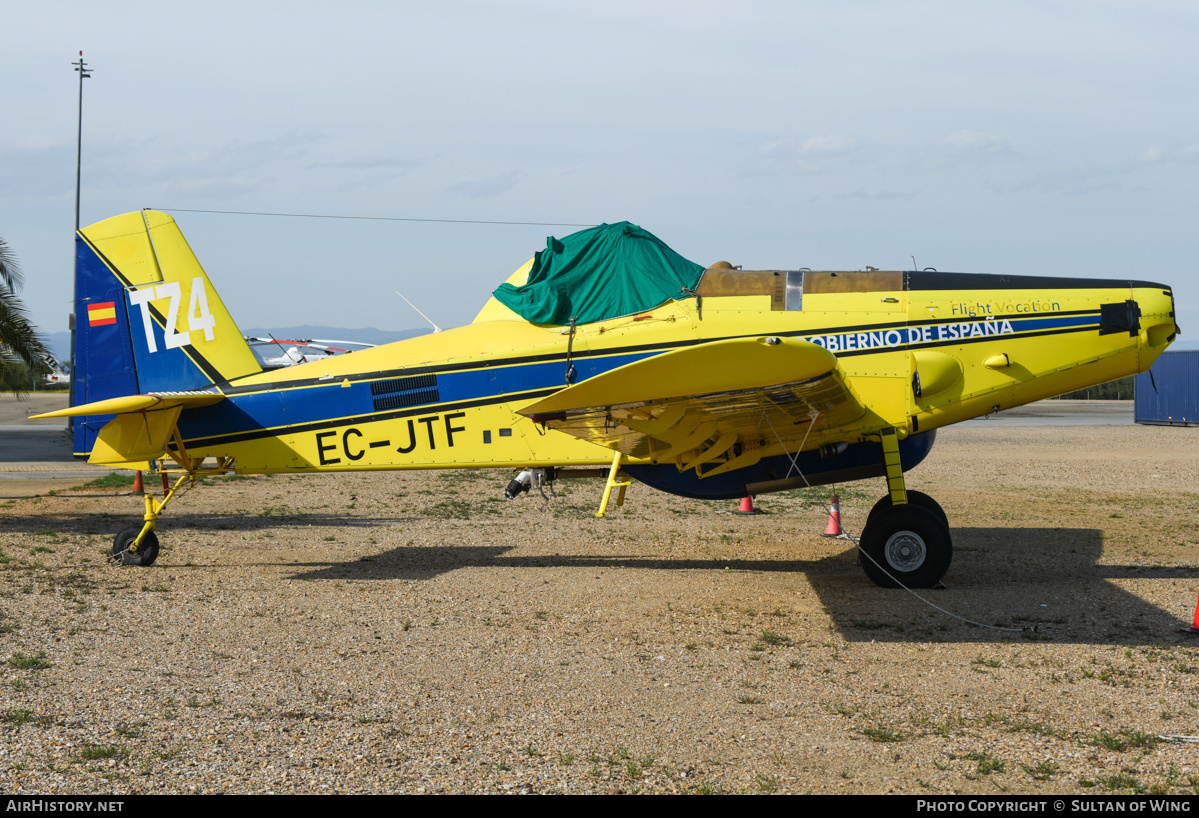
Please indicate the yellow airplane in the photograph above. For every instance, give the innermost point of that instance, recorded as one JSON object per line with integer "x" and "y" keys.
{"x": 605, "y": 355}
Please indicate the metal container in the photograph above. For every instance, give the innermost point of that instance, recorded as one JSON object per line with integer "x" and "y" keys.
{"x": 1175, "y": 401}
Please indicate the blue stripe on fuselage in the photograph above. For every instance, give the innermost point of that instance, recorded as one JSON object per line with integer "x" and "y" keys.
{"x": 246, "y": 412}
{"x": 290, "y": 407}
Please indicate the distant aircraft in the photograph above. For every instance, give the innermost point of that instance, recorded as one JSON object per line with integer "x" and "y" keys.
{"x": 301, "y": 351}
{"x": 608, "y": 350}
{"x": 56, "y": 375}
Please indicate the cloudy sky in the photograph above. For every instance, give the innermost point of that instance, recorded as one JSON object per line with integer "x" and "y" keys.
{"x": 1016, "y": 137}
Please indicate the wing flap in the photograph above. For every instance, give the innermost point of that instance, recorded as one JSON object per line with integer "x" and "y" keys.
{"x": 718, "y": 366}
{"x": 723, "y": 402}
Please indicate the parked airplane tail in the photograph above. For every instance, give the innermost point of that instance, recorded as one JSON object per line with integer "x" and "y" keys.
{"x": 147, "y": 319}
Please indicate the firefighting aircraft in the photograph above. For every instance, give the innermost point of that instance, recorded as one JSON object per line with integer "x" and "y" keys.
{"x": 606, "y": 350}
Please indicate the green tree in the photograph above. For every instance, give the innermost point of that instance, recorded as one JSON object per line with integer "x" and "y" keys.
{"x": 1121, "y": 389}
{"x": 22, "y": 350}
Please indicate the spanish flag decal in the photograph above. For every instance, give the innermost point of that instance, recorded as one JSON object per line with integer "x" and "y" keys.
{"x": 100, "y": 314}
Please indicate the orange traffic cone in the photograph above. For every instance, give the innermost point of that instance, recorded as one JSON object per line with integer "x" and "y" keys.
{"x": 747, "y": 506}
{"x": 834, "y": 519}
{"x": 138, "y": 488}
{"x": 1195, "y": 624}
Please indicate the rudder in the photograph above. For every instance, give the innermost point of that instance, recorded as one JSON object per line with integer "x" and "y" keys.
{"x": 147, "y": 317}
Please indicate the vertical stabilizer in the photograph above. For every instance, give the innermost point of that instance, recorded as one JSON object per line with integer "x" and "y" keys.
{"x": 148, "y": 319}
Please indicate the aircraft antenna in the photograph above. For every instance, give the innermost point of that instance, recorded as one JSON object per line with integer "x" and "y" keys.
{"x": 418, "y": 312}
{"x": 366, "y": 218}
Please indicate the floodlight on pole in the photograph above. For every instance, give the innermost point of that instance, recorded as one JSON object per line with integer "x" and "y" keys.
{"x": 84, "y": 72}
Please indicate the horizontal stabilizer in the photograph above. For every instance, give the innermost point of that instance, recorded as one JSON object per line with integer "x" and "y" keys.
{"x": 137, "y": 403}
{"x": 135, "y": 437}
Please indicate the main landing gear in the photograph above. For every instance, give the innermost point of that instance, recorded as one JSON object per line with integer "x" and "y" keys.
{"x": 906, "y": 541}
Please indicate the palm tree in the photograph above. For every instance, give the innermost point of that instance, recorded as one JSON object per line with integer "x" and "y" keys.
{"x": 22, "y": 350}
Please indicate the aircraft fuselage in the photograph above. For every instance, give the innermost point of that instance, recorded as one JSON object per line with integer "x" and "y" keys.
{"x": 920, "y": 349}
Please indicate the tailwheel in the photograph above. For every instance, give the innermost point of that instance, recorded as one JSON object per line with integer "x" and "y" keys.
{"x": 915, "y": 498}
{"x": 124, "y": 551}
{"x": 906, "y": 545}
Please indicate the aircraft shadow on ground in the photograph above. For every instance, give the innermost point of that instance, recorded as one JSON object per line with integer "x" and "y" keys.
{"x": 1018, "y": 584}
{"x": 1036, "y": 584}
{"x": 1018, "y": 579}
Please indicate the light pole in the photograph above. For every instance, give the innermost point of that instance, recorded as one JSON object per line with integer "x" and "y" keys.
{"x": 84, "y": 72}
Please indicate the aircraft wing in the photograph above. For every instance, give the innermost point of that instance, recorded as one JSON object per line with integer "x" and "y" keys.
{"x": 721, "y": 402}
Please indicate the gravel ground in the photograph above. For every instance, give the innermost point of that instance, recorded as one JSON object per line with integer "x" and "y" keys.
{"x": 413, "y": 632}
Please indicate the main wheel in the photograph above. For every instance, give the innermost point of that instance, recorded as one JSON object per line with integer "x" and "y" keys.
{"x": 146, "y": 553}
{"x": 906, "y": 545}
{"x": 915, "y": 498}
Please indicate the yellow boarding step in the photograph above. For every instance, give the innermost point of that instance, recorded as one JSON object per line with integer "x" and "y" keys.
{"x": 614, "y": 482}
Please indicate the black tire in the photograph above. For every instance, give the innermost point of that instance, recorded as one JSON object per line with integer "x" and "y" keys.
{"x": 915, "y": 498}
{"x": 146, "y": 553}
{"x": 906, "y": 545}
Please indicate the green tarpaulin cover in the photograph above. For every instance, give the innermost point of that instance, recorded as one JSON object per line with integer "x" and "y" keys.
{"x": 600, "y": 273}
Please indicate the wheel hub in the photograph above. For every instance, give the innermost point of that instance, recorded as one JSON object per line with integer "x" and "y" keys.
{"x": 905, "y": 551}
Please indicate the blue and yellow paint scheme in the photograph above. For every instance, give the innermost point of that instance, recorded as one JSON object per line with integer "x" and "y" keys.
{"x": 757, "y": 381}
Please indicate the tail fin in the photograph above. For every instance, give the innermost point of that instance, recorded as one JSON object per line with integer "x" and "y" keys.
{"x": 147, "y": 317}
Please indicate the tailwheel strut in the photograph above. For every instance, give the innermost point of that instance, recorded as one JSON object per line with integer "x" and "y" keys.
{"x": 139, "y": 545}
